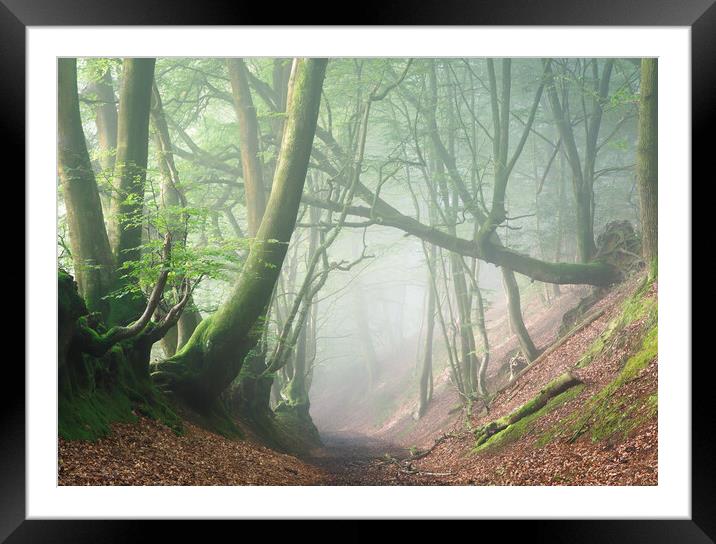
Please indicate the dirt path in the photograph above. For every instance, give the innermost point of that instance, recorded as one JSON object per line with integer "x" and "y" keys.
{"x": 351, "y": 459}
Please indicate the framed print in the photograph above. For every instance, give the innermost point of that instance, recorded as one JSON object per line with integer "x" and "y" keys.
{"x": 406, "y": 268}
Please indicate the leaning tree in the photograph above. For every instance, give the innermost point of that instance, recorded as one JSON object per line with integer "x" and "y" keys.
{"x": 104, "y": 371}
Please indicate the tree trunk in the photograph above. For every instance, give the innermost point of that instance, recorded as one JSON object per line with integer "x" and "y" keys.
{"x": 560, "y": 220}
{"x": 214, "y": 355}
{"x": 426, "y": 368}
{"x": 582, "y": 171}
{"x": 130, "y": 175}
{"x": 514, "y": 308}
{"x": 647, "y": 163}
{"x": 254, "y": 390}
{"x": 585, "y": 227}
{"x": 249, "y": 145}
{"x": 132, "y": 149}
{"x": 467, "y": 337}
{"x": 91, "y": 252}
{"x": 106, "y": 123}
{"x": 485, "y": 361}
{"x": 559, "y": 385}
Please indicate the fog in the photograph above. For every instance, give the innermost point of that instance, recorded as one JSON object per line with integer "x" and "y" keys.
{"x": 440, "y": 195}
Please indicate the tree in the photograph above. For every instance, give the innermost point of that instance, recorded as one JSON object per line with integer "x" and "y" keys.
{"x": 106, "y": 122}
{"x": 426, "y": 366}
{"x": 212, "y": 358}
{"x": 647, "y": 162}
{"x": 91, "y": 255}
{"x": 583, "y": 171}
{"x": 249, "y": 142}
{"x": 253, "y": 391}
{"x": 129, "y": 179}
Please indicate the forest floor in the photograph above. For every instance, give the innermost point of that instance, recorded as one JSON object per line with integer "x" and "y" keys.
{"x": 147, "y": 453}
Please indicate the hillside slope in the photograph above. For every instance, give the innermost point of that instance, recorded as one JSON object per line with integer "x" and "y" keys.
{"x": 599, "y": 428}
{"x": 600, "y": 431}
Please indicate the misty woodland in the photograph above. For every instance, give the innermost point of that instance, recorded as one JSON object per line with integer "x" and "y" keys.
{"x": 277, "y": 271}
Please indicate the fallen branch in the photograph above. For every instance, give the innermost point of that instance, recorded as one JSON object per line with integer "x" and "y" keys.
{"x": 556, "y": 387}
{"x": 436, "y": 443}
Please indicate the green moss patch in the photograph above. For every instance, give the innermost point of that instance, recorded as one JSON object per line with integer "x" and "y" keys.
{"x": 88, "y": 415}
{"x": 518, "y": 429}
{"x": 608, "y": 413}
{"x": 635, "y": 308}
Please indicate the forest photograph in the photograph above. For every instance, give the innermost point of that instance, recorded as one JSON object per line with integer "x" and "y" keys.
{"x": 357, "y": 271}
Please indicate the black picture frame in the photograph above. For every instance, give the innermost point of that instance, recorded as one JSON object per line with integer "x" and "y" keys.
{"x": 700, "y": 15}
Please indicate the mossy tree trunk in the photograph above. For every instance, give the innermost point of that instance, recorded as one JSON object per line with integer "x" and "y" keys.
{"x": 254, "y": 388}
{"x": 557, "y": 386}
{"x": 91, "y": 252}
{"x": 214, "y": 355}
{"x": 647, "y": 162}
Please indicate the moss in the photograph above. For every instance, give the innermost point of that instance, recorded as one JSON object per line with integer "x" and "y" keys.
{"x": 88, "y": 415}
{"x": 557, "y": 385}
{"x": 217, "y": 418}
{"x": 518, "y": 429}
{"x": 94, "y": 392}
{"x": 291, "y": 431}
{"x": 633, "y": 309}
{"x": 607, "y": 413}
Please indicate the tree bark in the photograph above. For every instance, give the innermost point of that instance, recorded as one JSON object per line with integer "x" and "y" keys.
{"x": 91, "y": 252}
{"x": 512, "y": 292}
{"x": 426, "y": 368}
{"x": 132, "y": 150}
{"x": 647, "y": 162}
{"x": 249, "y": 144}
{"x": 106, "y": 123}
{"x": 482, "y": 329}
{"x": 130, "y": 174}
{"x": 254, "y": 391}
{"x": 560, "y": 221}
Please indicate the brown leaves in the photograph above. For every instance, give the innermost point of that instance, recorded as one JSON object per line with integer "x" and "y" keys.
{"x": 148, "y": 453}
